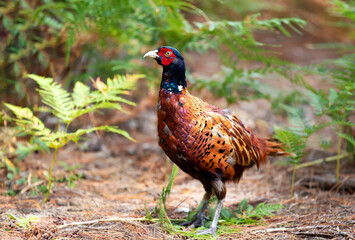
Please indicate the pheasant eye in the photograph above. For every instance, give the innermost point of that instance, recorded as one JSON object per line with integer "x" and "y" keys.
{"x": 167, "y": 54}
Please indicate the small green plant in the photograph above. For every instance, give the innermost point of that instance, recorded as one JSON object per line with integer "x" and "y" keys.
{"x": 248, "y": 213}
{"x": 9, "y": 192}
{"x": 23, "y": 222}
{"x": 13, "y": 170}
{"x": 69, "y": 106}
{"x": 71, "y": 176}
{"x": 160, "y": 207}
{"x": 244, "y": 214}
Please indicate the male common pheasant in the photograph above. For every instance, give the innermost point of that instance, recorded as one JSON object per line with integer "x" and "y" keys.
{"x": 207, "y": 142}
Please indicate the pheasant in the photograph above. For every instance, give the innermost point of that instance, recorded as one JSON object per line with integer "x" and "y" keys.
{"x": 209, "y": 143}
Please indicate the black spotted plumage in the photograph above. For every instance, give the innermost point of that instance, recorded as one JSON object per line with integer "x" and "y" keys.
{"x": 208, "y": 143}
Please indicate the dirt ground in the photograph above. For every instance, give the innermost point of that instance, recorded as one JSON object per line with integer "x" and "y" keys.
{"x": 122, "y": 177}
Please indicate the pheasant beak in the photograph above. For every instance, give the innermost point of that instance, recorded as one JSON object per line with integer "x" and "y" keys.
{"x": 152, "y": 54}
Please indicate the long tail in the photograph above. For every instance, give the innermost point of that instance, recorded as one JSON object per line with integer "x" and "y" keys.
{"x": 275, "y": 148}
{"x": 269, "y": 147}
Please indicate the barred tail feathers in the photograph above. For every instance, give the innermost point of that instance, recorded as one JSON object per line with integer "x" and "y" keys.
{"x": 274, "y": 147}
{"x": 268, "y": 147}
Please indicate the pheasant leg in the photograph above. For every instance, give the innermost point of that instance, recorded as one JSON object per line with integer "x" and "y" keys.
{"x": 213, "y": 228}
{"x": 200, "y": 217}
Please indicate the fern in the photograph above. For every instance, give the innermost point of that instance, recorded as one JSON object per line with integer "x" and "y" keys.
{"x": 350, "y": 139}
{"x": 58, "y": 99}
{"x": 27, "y": 121}
{"x": 264, "y": 210}
{"x": 245, "y": 213}
{"x": 294, "y": 143}
{"x": 316, "y": 102}
{"x": 343, "y": 8}
{"x": 81, "y": 95}
{"x": 279, "y": 24}
{"x": 68, "y": 106}
{"x": 159, "y": 21}
{"x": 129, "y": 27}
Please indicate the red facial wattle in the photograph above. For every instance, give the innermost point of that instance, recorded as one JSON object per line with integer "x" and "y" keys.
{"x": 166, "y": 60}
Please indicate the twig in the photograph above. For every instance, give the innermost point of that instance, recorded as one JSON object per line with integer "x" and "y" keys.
{"x": 31, "y": 186}
{"x": 269, "y": 230}
{"x": 291, "y": 230}
{"x": 350, "y": 235}
{"x": 329, "y": 183}
{"x": 314, "y": 234}
{"x": 328, "y": 159}
{"x": 338, "y": 184}
{"x": 107, "y": 220}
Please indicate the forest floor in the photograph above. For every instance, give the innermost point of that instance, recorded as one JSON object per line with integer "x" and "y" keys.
{"x": 122, "y": 177}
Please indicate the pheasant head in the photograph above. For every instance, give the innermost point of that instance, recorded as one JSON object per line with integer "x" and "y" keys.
{"x": 173, "y": 79}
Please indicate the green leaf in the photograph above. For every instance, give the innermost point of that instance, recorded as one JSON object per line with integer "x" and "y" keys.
{"x": 263, "y": 210}
{"x": 105, "y": 128}
{"x": 81, "y": 94}
{"x": 242, "y": 206}
{"x": 350, "y": 139}
{"x": 333, "y": 96}
{"x": 23, "y": 151}
{"x": 55, "y": 97}
{"x": 294, "y": 142}
{"x": 227, "y": 214}
{"x": 24, "y": 222}
{"x": 315, "y": 102}
{"x": 27, "y": 121}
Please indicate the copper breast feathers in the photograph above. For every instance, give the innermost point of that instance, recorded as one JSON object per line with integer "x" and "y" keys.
{"x": 204, "y": 138}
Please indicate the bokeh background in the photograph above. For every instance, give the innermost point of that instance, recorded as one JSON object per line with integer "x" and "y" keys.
{"x": 285, "y": 68}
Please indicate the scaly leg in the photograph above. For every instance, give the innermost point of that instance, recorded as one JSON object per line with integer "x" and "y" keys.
{"x": 219, "y": 189}
{"x": 200, "y": 217}
{"x": 213, "y": 228}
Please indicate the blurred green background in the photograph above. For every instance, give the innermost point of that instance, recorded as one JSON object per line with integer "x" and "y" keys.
{"x": 297, "y": 55}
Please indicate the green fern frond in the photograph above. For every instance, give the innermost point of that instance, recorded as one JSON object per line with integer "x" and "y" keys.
{"x": 67, "y": 106}
{"x": 81, "y": 95}
{"x": 27, "y": 121}
{"x": 279, "y": 24}
{"x": 293, "y": 142}
{"x": 345, "y": 8}
{"x": 55, "y": 97}
{"x": 265, "y": 210}
{"x": 349, "y": 138}
{"x": 317, "y": 102}
{"x": 105, "y": 128}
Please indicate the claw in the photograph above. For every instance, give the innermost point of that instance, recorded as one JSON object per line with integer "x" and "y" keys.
{"x": 210, "y": 230}
{"x": 197, "y": 222}
{"x": 213, "y": 228}
{"x": 200, "y": 217}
